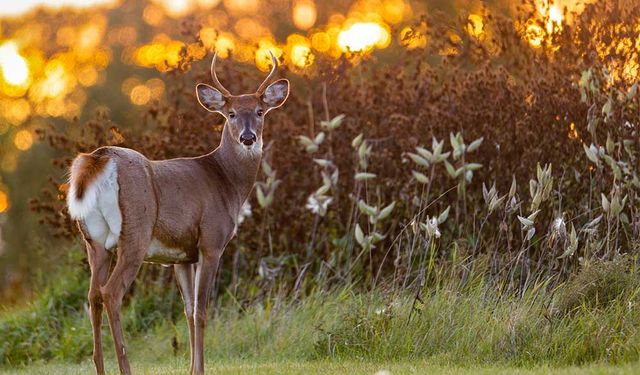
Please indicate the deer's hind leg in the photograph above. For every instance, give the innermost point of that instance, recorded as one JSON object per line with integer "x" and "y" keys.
{"x": 99, "y": 259}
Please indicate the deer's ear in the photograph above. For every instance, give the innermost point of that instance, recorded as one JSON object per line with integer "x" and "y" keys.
{"x": 210, "y": 98}
{"x": 276, "y": 94}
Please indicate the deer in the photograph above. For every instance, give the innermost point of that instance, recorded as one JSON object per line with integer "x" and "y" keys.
{"x": 178, "y": 212}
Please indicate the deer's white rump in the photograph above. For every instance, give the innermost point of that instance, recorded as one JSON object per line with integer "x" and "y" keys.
{"x": 98, "y": 208}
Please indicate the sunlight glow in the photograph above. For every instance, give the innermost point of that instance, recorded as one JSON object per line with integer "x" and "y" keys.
{"x": 15, "y": 70}
{"x": 20, "y": 7}
{"x": 23, "y": 140}
{"x": 363, "y": 36}
{"x": 304, "y": 14}
{"x": 4, "y": 202}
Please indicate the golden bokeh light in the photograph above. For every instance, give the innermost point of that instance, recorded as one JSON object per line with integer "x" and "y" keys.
{"x": 363, "y": 36}
{"x": 4, "y": 202}
{"x": 15, "y": 70}
{"x": 301, "y": 55}
{"x": 475, "y": 25}
{"x": 412, "y": 37}
{"x": 321, "y": 41}
{"x": 242, "y": 6}
{"x": 23, "y": 140}
{"x": 17, "y": 8}
{"x": 304, "y": 14}
{"x": 225, "y": 44}
{"x": 140, "y": 95}
{"x": 263, "y": 58}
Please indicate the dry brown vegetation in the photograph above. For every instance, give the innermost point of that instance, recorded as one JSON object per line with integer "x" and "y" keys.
{"x": 532, "y": 111}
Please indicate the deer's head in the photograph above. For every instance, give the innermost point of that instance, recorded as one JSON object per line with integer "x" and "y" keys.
{"x": 244, "y": 113}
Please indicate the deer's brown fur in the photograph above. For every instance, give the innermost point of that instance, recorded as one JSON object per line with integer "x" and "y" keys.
{"x": 181, "y": 212}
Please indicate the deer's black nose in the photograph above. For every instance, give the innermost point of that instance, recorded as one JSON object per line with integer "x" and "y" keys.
{"x": 247, "y": 139}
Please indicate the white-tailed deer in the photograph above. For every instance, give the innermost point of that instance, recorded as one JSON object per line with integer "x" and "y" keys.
{"x": 181, "y": 212}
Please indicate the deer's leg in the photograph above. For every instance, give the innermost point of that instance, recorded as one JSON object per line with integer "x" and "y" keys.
{"x": 99, "y": 264}
{"x": 185, "y": 279}
{"x": 205, "y": 277}
{"x": 130, "y": 258}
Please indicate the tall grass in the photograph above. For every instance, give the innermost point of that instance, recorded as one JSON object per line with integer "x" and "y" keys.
{"x": 457, "y": 323}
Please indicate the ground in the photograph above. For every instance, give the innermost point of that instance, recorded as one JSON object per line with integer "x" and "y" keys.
{"x": 322, "y": 367}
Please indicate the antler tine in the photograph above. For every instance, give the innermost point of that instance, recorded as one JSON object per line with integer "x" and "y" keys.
{"x": 274, "y": 67}
{"x": 216, "y": 82}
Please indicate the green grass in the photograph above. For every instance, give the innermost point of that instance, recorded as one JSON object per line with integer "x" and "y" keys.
{"x": 327, "y": 367}
{"x": 458, "y": 328}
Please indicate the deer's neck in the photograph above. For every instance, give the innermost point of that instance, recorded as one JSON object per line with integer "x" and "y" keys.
{"x": 239, "y": 165}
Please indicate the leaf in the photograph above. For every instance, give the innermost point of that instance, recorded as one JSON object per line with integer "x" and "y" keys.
{"x": 444, "y": 215}
{"x": 260, "y": 196}
{"x": 322, "y": 162}
{"x": 386, "y": 211}
{"x": 319, "y": 138}
{"x": 421, "y": 177}
{"x": 377, "y": 237}
{"x": 311, "y": 148}
{"x": 452, "y": 172}
{"x": 425, "y": 153}
{"x": 573, "y": 244}
{"x": 323, "y": 189}
{"x": 366, "y": 209}
{"x": 266, "y": 168}
{"x": 359, "y": 235}
{"x": 530, "y": 233}
{"x": 355, "y": 143}
{"x": 609, "y": 144}
{"x": 593, "y": 223}
{"x": 306, "y": 141}
{"x": 512, "y": 190}
{"x": 364, "y": 176}
{"x": 475, "y": 144}
{"x": 418, "y": 159}
{"x": 473, "y": 166}
{"x": 525, "y": 222}
{"x": 605, "y": 203}
{"x": 454, "y": 141}
{"x": 532, "y": 217}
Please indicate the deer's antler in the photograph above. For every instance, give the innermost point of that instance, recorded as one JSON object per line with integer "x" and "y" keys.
{"x": 216, "y": 82}
{"x": 274, "y": 67}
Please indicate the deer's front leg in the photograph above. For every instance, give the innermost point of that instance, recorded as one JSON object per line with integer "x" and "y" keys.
{"x": 205, "y": 277}
{"x": 185, "y": 279}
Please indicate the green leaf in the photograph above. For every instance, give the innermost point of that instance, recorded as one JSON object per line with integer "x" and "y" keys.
{"x": 450, "y": 170}
{"x": 355, "y": 143}
{"x": 359, "y": 235}
{"x": 364, "y": 176}
{"x": 421, "y": 177}
{"x": 444, "y": 215}
{"x": 473, "y": 166}
{"x": 475, "y": 144}
{"x": 525, "y": 222}
{"x": 418, "y": 159}
{"x": 260, "y": 195}
{"x": 385, "y": 212}
{"x": 319, "y": 138}
{"x": 366, "y": 209}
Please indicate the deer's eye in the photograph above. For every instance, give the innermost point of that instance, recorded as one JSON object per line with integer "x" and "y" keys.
{"x": 259, "y": 113}
{"x": 232, "y": 114}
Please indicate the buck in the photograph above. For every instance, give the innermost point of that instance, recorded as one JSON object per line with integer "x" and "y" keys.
{"x": 179, "y": 212}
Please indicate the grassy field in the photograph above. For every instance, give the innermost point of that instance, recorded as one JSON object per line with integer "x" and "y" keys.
{"x": 327, "y": 367}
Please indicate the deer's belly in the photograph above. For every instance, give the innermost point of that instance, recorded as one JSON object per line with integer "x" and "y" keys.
{"x": 160, "y": 253}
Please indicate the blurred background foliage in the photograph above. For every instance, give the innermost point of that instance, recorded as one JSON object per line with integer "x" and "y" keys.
{"x": 533, "y": 81}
